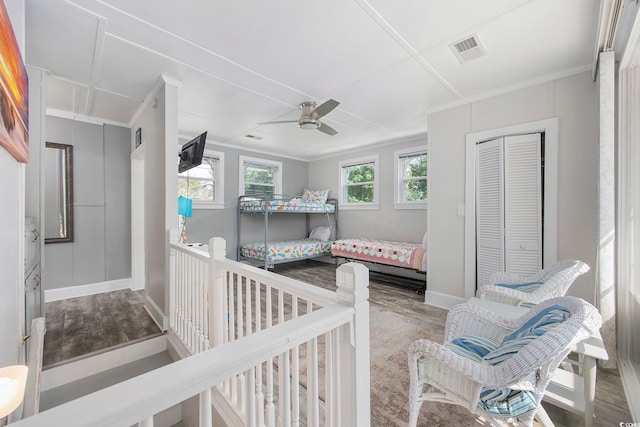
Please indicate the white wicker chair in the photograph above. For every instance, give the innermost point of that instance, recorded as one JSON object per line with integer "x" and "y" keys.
{"x": 443, "y": 374}
{"x": 552, "y": 281}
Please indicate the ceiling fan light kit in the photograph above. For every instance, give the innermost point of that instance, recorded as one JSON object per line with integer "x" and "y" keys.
{"x": 308, "y": 125}
{"x": 310, "y": 116}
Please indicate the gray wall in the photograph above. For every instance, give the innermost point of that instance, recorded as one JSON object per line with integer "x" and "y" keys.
{"x": 388, "y": 223}
{"x": 208, "y": 223}
{"x": 11, "y": 282}
{"x": 12, "y": 229}
{"x": 117, "y": 193}
{"x": 153, "y": 122}
{"x": 101, "y": 250}
{"x": 573, "y": 101}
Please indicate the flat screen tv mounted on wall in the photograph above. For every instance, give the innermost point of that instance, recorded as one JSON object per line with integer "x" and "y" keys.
{"x": 191, "y": 153}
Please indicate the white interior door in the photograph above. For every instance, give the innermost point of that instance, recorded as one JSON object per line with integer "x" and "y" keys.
{"x": 489, "y": 209}
{"x": 523, "y": 204}
{"x": 508, "y": 206}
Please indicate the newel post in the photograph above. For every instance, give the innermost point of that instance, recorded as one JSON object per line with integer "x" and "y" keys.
{"x": 173, "y": 238}
{"x": 352, "y": 280}
{"x": 217, "y": 314}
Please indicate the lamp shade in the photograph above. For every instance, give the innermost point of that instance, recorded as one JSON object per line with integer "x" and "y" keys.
{"x": 184, "y": 206}
{"x": 12, "y": 383}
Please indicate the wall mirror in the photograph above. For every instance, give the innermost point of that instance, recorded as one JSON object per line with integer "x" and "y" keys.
{"x": 58, "y": 193}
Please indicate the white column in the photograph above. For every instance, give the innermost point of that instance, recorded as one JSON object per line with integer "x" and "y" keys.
{"x": 352, "y": 280}
{"x": 217, "y": 315}
{"x": 605, "y": 271}
{"x": 205, "y": 417}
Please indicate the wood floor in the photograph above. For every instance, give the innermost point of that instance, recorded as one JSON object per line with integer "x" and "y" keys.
{"x": 84, "y": 325}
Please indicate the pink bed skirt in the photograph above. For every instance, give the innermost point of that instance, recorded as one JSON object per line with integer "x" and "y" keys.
{"x": 398, "y": 254}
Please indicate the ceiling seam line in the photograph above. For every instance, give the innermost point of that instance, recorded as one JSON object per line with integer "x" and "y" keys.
{"x": 211, "y": 52}
{"x": 195, "y": 68}
{"x": 388, "y": 28}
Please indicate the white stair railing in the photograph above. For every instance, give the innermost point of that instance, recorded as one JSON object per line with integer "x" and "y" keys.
{"x": 215, "y": 301}
{"x": 138, "y": 399}
{"x": 189, "y": 297}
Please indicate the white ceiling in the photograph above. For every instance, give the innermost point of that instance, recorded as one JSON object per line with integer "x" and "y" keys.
{"x": 240, "y": 63}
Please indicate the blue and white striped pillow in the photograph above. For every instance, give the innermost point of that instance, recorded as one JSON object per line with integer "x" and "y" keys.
{"x": 527, "y": 304}
{"x": 527, "y": 332}
{"x": 472, "y": 347}
{"x": 508, "y": 349}
{"x": 522, "y": 287}
{"x": 506, "y": 401}
{"x": 548, "y": 316}
{"x": 515, "y": 402}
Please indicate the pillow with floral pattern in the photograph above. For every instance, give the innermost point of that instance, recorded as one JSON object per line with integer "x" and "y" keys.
{"x": 315, "y": 196}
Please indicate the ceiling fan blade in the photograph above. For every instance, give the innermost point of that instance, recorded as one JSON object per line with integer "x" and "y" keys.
{"x": 327, "y": 129}
{"x": 324, "y": 108}
{"x": 278, "y": 121}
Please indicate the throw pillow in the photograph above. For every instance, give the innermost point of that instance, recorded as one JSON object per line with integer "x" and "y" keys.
{"x": 315, "y": 196}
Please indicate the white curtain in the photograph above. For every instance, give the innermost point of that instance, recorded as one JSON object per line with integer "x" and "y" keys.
{"x": 605, "y": 269}
{"x": 628, "y": 222}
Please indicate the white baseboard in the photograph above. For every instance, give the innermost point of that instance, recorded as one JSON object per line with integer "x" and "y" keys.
{"x": 156, "y": 313}
{"x": 73, "y": 371}
{"x": 84, "y": 290}
{"x": 440, "y": 300}
{"x": 176, "y": 347}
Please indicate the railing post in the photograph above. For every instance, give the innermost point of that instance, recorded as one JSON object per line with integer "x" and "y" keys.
{"x": 173, "y": 238}
{"x": 217, "y": 316}
{"x": 352, "y": 280}
{"x": 205, "y": 419}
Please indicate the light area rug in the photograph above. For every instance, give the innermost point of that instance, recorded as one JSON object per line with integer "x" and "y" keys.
{"x": 390, "y": 337}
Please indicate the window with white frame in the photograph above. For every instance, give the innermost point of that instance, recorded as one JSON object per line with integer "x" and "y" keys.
{"x": 260, "y": 176}
{"x": 410, "y": 191}
{"x": 204, "y": 184}
{"x": 359, "y": 183}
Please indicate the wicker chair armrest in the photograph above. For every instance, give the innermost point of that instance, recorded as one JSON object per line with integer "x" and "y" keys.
{"x": 549, "y": 289}
{"x": 446, "y": 369}
{"x": 439, "y": 368}
{"x": 504, "y": 277}
{"x": 471, "y": 319}
{"x": 502, "y": 295}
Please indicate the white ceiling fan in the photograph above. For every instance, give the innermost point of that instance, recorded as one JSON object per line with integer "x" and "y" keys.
{"x": 310, "y": 117}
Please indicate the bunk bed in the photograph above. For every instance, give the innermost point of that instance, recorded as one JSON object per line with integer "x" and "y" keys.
{"x": 318, "y": 242}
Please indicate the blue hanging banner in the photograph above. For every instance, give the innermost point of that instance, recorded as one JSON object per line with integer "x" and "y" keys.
{"x": 184, "y": 206}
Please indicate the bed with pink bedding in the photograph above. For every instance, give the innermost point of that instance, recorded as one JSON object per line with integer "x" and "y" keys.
{"x": 398, "y": 254}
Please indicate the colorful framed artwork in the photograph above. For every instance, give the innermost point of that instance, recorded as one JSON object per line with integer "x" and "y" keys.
{"x": 14, "y": 93}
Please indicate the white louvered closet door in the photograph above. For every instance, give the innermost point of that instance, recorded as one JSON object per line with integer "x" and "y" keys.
{"x": 489, "y": 209}
{"x": 523, "y": 204}
{"x": 508, "y": 206}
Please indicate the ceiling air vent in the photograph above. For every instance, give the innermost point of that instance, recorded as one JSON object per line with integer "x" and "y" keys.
{"x": 468, "y": 48}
